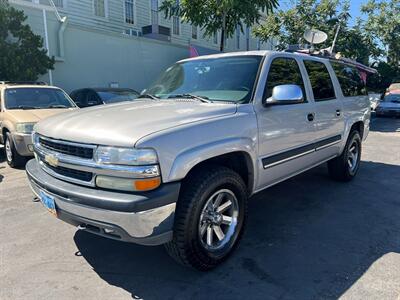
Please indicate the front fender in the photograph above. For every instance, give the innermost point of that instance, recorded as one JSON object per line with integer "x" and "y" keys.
{"x": 182, "y": 147}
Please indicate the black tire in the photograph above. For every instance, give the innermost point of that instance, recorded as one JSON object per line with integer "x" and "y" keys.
{"x": 187, "y": 246}
{"x": 14, "y": 160}
{"x": 339, "y": 167}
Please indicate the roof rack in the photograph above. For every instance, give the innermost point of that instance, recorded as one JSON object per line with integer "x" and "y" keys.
{"x": 23, "y": 82}
{"x": 335, "y": 56}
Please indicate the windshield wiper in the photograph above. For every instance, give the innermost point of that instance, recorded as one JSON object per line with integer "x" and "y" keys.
{"x": 148, "y": 96}
{"x": 57, "y": 106}
{"x": 191, "y": 96}
{"x": 25, "y": 107}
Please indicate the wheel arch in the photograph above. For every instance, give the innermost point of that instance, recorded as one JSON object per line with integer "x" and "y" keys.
{"x": 238, "y": 156}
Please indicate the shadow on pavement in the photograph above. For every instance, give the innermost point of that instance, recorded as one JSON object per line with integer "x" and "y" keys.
{"x": 385, "y": 124}
{"x": 307, "y": 238}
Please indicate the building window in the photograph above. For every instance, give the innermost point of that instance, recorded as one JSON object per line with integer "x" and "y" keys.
{"x": 154, "y": 12}
{"x": 194, "y": 32}
{"x": 59, "y": 3}
{"x": 247, "y": 38}
{"x": 100, "y": 8}
{"x": 129, "y": 12}
{"x": 258, "y": 44}
{"x": 238, "y": 37}
{"x": 176, "y": 22}
{"x": 215, "y": 38}
{"x": 175, "y": 25}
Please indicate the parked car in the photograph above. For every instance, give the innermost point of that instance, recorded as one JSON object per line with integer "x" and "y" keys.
{"x": 390, "y": 105}
{"x": 97, "y": 96}
{"x": 178, "y": 167}
{"x": 394, "y": 87}
{"x": 22, "y": 105}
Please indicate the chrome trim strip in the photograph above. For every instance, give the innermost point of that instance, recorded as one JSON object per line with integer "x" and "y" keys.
{"x": 288, "y": 159}
{"x": 327, "y": 145}
{"x": 88, "y": 146}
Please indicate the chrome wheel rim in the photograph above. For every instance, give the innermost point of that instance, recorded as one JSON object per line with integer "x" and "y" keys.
{"x": 218, "y": 220}
{"x": 352, "y": 157}
{"x": 8, "y": 150}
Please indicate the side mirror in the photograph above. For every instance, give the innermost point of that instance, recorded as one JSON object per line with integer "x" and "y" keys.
{"x": 285, "y": 94}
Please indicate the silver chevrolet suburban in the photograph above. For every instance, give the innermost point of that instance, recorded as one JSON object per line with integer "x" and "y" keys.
{"x": 177, "y": 166}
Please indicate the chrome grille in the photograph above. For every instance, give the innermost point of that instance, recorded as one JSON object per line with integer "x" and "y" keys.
{"x": 71, "y": 173}
{"x": 67, "y": 148}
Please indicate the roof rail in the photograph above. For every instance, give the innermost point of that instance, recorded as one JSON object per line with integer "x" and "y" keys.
{"x": 23, "y": 82}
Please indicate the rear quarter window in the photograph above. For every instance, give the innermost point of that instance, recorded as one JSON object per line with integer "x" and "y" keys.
{"x": 349, "y": 79}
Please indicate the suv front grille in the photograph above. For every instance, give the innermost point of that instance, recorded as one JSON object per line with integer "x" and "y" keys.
{"x": 75, "y": 174}
{"x": 67, "y": 149}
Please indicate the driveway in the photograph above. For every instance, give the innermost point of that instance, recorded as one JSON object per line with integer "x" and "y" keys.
{"x": 307, "y": 238}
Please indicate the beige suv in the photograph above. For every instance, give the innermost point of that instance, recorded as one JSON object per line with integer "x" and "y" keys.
{"x": 22, "y": 105}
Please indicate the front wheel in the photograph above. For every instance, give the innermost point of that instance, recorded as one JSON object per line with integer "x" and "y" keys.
{"x": 210, "y": 218}
{"x": 345, "y": 166}
{"x": 14, "y": 160}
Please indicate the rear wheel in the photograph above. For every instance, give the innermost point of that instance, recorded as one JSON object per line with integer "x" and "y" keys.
{"x": 209, "y": 219}
{"x": 13, "y": 158}
{"x": 345, "y": 167}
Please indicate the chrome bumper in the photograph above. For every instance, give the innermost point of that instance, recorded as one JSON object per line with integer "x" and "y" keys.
{"x": 23, "y": 143}
{"x": 145, "y": 218}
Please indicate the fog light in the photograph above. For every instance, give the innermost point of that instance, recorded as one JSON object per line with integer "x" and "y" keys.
{"x": 30, "y": 147}
{"x": 127, "y": 184}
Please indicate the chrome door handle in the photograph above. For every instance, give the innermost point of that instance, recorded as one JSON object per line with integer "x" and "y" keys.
{"x": 338, "y": 112}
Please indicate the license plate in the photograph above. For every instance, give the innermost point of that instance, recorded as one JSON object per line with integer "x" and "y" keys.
{"x": 48, "y": 202}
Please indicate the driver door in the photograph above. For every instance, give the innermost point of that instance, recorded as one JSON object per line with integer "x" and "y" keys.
{"x": 286, "y": 132}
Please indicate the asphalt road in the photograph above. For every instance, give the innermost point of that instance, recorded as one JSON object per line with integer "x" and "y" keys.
{"x": 307, "y": 238}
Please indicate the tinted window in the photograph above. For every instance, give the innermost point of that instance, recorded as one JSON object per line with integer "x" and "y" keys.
{"x": 283, "y": 71}
{"x": 320, "y": 79}
{"x": 36, "y": 98}
{"x": 219, "y": 79}
{"x": 92, "y": 99}
{"x": 349, "y": 79}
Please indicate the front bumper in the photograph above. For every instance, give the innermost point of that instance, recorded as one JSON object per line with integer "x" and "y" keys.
{"x": 145, "y": 218}
{"x": 23, "y": 143}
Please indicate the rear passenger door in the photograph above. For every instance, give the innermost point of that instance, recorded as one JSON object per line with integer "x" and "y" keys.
{"x": 328, "y": 121}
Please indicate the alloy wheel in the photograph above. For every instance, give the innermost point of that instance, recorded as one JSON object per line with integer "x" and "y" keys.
{"x": 8, "y": 150}
{"x": 218, "y": 220}
{"x": 352, "y": 157}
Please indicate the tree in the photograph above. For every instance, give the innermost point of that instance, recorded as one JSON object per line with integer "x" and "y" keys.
{"x": 383, "y": 25}
{"x": 288, "y": 27}
{"x": 215, "y": 15}
{"x": 22, "y": 54}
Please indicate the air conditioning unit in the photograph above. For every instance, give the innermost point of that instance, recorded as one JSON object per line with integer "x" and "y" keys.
{"x": 132, "y": 32}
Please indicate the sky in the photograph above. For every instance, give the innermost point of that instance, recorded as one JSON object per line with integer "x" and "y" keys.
{"x": 355, "y": 6}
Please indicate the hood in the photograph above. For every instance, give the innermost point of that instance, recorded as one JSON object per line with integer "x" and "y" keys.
{"x": 34, "y": 115}
{"x": 123, "y": 124}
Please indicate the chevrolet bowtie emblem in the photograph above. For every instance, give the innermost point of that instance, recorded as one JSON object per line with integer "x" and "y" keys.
{"x": 51, "y": 160}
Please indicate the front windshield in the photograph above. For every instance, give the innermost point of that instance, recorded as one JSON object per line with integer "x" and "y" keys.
{"x": 36, "y": 98}
{"x": 117, "y": 96}
{"x": 392, "y": 98}
{"x": 219, "y": 79}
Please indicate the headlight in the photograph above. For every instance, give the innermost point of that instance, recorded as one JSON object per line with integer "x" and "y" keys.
{"x": 24, "y": 127}
{"x": 125, "y": 156}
